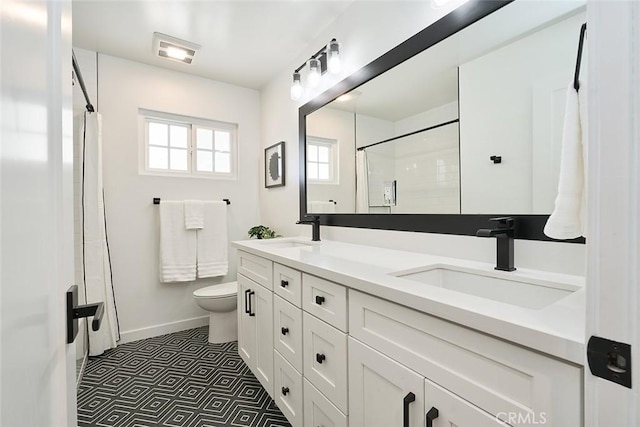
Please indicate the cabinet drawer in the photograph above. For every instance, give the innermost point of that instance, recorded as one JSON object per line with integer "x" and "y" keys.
{"x": 287, "y": 331}
{"x": 325, "y": 359}
{"x": 494, "y": 375}
{"x": 318, "y": 411}
{"x": 256, "y": 268}
{"x": 288, "y": 390}
{"x": 287, "y": 283}
{"x": 453, "y": 411}
{"x": 325, "y": 300}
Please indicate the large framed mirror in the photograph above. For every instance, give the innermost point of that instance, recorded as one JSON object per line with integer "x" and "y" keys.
{"x": 458, "y": 124}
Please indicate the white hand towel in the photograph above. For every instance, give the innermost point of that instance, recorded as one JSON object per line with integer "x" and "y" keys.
{"x": 568, "y": 219}
{"x": 193, "y": 214}
{"x": 212, "y": 241}
{"x": 177, "y": 244}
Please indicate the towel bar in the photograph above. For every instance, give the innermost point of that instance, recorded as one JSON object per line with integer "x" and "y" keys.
{"x": 156, "y": 201}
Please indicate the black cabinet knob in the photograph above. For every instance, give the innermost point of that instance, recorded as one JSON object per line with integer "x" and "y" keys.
{"x": 284, "y": 330}
{"x": 285, "y": 391}
{"x": 320, "y": 358}
{"x": 284, "y": 283}
{"x": 319, "y": 300}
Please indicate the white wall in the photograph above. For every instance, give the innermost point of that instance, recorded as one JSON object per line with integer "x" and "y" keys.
{"x": 337, "y": 125}
{"x": 358, "y": 29}
{"x": 496, "y": 118}
{"x": 144, "y": 304}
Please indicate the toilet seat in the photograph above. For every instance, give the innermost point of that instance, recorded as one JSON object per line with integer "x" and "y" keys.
{"x": 223, "y": 290}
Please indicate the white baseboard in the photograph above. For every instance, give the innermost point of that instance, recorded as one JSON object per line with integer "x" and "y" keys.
{"x": 165, "y": 328}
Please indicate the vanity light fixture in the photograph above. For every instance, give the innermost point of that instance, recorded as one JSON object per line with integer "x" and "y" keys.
{"x": 296, "y": 87}
{"x": 173, "y": 48}
{"x": 326, "y": 58}
{"x": 314, "y": 72}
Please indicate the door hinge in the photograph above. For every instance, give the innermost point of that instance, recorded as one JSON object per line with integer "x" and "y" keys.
{"x": 610, "y": 360}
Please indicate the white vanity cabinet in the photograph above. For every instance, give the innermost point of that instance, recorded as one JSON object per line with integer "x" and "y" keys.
{"x": 334, "y": 356}
{"x": 482, "y": 379}
{"x": 255, "y": 329}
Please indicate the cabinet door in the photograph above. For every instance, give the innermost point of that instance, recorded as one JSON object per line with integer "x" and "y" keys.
{"x": 447, "y": 410}
{"x": 379, "y": 388}
{"x": 262, "y": 305}
{"x": 246, "y": 323}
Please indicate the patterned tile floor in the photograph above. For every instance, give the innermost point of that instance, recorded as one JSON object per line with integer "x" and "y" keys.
{"x": 175, "y": 380}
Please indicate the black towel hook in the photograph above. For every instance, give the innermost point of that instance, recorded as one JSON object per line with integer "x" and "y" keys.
{"x": 576, "y": 76}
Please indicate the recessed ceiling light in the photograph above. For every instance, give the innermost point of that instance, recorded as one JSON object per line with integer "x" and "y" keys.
{"x": 173, "y": 48}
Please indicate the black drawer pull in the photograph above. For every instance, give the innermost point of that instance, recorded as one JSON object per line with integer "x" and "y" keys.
{"x": 319, "y": 300}
{"x": 246, "y": 301}
{"x": 432, "y": 415}
{"x": 408, "y": 399}
{"x": 320, "y": 358}
{"x": 285, "y": 391}
{"x": 251, "y": 312}
{"x": 284, "y": 283}
{"x": 284, "y": 330}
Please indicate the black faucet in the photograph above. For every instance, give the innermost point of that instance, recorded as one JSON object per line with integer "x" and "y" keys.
{"x": 504, "y": 234}
{"x": 314, "y": 220}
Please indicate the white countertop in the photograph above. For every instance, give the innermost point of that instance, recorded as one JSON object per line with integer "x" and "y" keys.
{"x": 557, "y": 329}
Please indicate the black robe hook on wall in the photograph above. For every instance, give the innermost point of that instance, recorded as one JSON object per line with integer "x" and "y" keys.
{"x": 576, "y": 76}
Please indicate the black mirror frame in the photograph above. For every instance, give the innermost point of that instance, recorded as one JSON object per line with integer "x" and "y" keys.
{"x": 528, "y": 227}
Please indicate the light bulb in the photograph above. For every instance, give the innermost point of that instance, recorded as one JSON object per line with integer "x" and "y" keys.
{"x": 296, "y": 87}
{"x": 314, "y": 72}
{"x": 176, "y": 53}
{"x": 335, "y": 65}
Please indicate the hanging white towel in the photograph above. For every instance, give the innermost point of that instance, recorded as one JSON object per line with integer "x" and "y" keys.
{"x": 362, "y": 182}
{"x": 177, "y": 244}
{"x": 212, "y": 241}
{"x": 193, "y": 214}
{"x": 568, "y": 219}
{"x": 322, "y": 207}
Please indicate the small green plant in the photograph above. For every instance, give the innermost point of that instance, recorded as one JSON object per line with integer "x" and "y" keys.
{"x": 262, "y": 232}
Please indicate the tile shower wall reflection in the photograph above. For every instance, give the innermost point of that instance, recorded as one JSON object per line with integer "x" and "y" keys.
{"x": 425, "y": 168}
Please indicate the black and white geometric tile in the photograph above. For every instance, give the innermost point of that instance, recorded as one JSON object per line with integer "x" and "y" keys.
{"x": 175, "y": 380}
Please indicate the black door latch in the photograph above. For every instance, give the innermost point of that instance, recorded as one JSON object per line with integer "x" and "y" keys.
{"x": 610, "y": 360}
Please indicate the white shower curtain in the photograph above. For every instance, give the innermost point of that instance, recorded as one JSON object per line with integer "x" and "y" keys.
{"x": 362, "y": 182}
{"x": 95, "y": 256}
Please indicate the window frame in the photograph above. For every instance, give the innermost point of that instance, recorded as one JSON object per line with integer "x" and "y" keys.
{"x": 334, "y": 167}
{"x": 192, "y": 124}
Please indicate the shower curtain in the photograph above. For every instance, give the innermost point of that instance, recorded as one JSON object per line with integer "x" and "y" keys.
{"x": 362, "y": 182}
{"x": 95, "y": 253}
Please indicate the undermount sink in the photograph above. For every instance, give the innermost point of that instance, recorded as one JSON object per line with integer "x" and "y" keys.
{"x": 526, "y": 292}
{"x": 286, "y": 243}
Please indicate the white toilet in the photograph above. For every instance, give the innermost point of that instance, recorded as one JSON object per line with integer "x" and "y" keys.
{"x": 221, "y": 302}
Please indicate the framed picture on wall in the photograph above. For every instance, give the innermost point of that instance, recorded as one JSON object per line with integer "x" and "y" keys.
{"x": 274, "y": 165}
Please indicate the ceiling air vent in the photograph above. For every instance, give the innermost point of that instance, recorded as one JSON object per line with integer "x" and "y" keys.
{"x": 174, "y": 48}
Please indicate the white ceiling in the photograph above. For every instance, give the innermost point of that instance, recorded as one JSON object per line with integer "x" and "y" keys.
{"x": 245, "y": 43}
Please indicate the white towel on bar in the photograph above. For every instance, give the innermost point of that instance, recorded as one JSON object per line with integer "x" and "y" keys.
{"x": 322, "y": 207}
{"x": 193, "y": 214}
{"x": 177, "y": 244}
{"x": 568, "y": 219}
{"x": 212, "y": 241}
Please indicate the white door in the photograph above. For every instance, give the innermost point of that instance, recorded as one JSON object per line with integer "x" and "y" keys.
{"x": 613, "y": 234}
{"x": 262, "y": 306}
{"x": 36, "y": 213}
{"x": 380, "y": 388}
